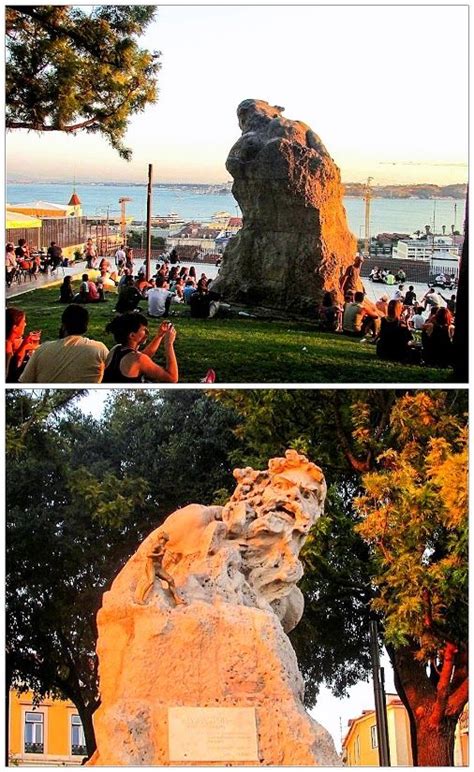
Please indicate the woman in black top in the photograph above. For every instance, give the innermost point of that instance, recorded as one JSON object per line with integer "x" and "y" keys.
{"x": 438, "y": 339}
{"x": 126, "y": 364}
{"x": 394, "y": 338}
{"x": 66, "y": 295}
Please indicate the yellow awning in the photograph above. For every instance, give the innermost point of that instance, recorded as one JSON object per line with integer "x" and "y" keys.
{"x": 17, "y": 220}
{"x": 40, "y": 209}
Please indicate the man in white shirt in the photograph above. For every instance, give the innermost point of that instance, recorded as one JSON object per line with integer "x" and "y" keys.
{"x": 71, "y": 359}
{"x": 120, "y": 258}
{"x": 399, "y": 293}
{"x": 417, "y": 321}
{"x": 431, "y": 298}
{"x": 159, "y": 298}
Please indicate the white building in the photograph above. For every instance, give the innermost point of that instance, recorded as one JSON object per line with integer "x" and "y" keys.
{"x": 426, "y": 249}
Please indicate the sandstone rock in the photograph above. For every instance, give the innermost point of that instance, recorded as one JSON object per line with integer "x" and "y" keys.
{"x": 295, "y": 241}
{"x": 216, "y": 639}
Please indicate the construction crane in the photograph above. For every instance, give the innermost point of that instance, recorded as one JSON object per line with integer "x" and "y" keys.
{"x": 367, "y": 198}
{"x": 123, "y": 223}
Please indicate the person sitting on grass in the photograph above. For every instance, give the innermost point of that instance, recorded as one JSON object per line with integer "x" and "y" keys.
{"x": 142, "y": 285}
{"x": 66, "y": 295}
{"x": 179, "y": 291}
{"x": 200, "y": 301}
{"x": 192, "y": 275}
{"x": 89, "y": 292}
{"x": 128, "y": 297}
{"x": 72, "y": 358}
{"x": 399, "y": 293}
{"x": 410, "y": 297}
{"x": 431, "y": 299}
{"x": 189, "y": 289}
{"x": 450, "y": 303}
{"x": 159, "y": 298}
{"x": 330, "y": 313}
{"x": 382, "y": 304}
{"x": 360, "y": 317}
{"x": 18, "y": 346}
{"x": 437, "y": 339}
{"x": 394, "y": 339}
{"x": 417, "y": 321}
{"x": 126, "y": 364}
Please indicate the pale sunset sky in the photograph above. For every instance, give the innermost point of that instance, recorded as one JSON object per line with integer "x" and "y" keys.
{"x": 385, "y": 87}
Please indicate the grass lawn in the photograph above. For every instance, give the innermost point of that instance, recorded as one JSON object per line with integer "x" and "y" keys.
{"x": 243, "y": 350}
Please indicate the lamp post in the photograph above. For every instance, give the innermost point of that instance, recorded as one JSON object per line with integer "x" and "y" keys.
{"x": 148, "y": 222}
{"x": 379, "y": 694}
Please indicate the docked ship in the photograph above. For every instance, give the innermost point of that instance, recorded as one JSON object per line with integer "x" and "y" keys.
{"x": 166, "y": 220}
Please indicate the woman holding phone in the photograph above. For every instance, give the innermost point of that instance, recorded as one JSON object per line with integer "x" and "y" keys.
{"x": 127, "y": 364}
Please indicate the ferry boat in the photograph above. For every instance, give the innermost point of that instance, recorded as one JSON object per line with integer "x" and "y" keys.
{"x": 165, "y": 220}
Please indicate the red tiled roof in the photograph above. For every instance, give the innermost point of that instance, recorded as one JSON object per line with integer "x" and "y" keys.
{"x": 74, "y": 200}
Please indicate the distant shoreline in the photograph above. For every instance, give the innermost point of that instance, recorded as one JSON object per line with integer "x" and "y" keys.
{"x": 421, "y": 191}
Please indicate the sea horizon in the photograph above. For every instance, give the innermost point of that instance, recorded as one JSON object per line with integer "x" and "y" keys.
{"x": 201, "y": 202}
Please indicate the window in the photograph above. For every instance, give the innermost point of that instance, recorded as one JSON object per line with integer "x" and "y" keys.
{"x": 357, "y": 749}
{"x": 34, "y": 732}
{"x": 373, "y": 736}
{"x": 78, "y": 740}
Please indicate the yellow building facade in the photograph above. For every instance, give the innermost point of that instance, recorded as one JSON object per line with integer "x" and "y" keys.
{"x": 360, "y": 745}
{"x": 47, "y": 734}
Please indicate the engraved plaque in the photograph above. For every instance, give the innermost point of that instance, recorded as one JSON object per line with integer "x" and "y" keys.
{"x": 212, "y": 734}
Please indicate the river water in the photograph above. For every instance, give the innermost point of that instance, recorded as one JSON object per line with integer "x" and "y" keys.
{"x": 387, "y": 215}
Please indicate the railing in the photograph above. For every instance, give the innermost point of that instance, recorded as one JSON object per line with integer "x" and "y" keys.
{"x": 78, "y": 750}
{"x": 34, "y": 747}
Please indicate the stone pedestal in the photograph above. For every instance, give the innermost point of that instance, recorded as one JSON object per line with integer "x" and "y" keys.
{"x": 200, "y": 656}
{"x": 197, "y": 618}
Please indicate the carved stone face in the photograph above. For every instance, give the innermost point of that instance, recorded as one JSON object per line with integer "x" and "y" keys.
{"x": 271, "y": 514}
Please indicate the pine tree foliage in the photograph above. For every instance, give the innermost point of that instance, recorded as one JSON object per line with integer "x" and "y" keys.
{"x": 72, "y": 68}
{"x": 414, "y": 513}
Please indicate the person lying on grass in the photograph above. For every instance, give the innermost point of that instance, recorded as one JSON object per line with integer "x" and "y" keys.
{"x": 126, "y": 364}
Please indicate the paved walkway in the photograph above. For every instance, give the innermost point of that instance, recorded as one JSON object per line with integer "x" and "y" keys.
{"x": 45, "y": 279}
{"x": 374, "y": 289}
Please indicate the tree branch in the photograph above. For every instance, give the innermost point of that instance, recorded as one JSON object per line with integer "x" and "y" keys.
{"x": 82, "y": 41}
{"x": 357, "y": 464}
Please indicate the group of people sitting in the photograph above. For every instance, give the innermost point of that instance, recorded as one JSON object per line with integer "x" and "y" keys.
{"x": 399, "y": 327}
{"x": 169, "y": 285}
{"x": 74, "y": 358}
{"x": 24, "y": 259}
{"x": 387, "y": 276}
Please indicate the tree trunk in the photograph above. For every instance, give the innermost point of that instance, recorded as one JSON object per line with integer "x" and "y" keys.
{"x": 8, "y": 686}
{"x": 86, "y": 714}
{"x": 434, "y": 701}
{"x": 435, "y": 742}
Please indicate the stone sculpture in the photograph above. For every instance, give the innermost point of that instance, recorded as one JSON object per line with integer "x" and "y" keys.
{"x": 154, "y": 570}
{"x": 197, "y": 619}
{"x": 294, "y": 243}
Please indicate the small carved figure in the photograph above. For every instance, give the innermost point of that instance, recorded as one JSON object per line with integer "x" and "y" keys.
{"x": 154, "y": 570}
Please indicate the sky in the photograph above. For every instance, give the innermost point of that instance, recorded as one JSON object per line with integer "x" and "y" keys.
{"x": 331, "y": 712}
{"x": 385, "y": 87}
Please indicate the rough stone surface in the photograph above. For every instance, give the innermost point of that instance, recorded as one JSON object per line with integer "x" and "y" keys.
{"x": 295, "y": 240}
{"x": 235, "y": 568}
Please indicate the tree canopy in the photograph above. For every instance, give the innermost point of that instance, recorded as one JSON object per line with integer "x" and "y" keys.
{"x": 82, "y": 495}
{"x": 72, "y": 68}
